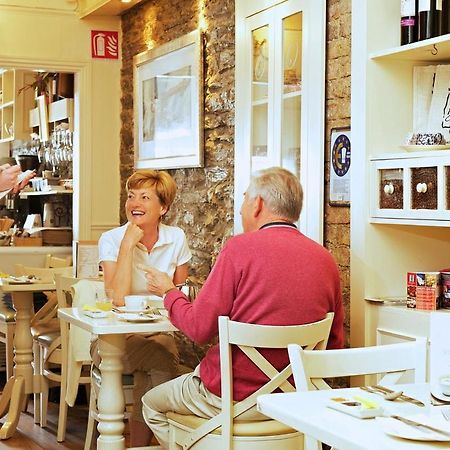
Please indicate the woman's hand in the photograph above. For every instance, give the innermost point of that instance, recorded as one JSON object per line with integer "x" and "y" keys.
{"x": 133, "y": 235}
{"x": 158, "y": 282}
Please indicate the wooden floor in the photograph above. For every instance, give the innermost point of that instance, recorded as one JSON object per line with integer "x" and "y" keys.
{"x": 30, "y": 436}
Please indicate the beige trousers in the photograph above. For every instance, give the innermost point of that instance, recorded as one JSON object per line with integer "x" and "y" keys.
{"x": 151, "y": 359}
{"x": 184, "y": 395}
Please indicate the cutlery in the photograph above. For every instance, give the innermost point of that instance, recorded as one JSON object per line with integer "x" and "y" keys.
{"x": 446, "y": 414}
{"x": 419, "y": 425}
{"x": 387, "y": 395}
{"x": 403, "y": 397}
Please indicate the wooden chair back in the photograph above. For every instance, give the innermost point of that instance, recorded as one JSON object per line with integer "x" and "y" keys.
{"x": 249, "y": 338}
{"x": 391, "y": 361}
{"x": 57, "y": 261}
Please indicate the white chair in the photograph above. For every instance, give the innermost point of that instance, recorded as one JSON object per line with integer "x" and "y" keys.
{"x": 391, "y": 362}
{"x": 55, "y": 361}
{"x": 223, "y": 431}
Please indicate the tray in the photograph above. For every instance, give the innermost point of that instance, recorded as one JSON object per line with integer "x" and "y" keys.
{"x": 421, "y": 148}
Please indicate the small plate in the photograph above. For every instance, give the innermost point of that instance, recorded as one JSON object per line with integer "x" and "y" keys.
{"x": 20, "y": 280}
{"x": 420, "y": 148}
{"x": 396, "y": 428}
{"x": 136, "y": 317}
{"x": 124, "y": 310}
{"x": 436, "y": 391}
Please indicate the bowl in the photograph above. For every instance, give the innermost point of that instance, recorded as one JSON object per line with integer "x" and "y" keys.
{"x": 28, "y": 162}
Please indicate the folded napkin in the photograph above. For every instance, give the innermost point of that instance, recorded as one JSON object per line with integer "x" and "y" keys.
{"x": 84, "y": 294}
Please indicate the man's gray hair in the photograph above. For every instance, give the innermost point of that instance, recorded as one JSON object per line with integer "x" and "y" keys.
{"x": 281, "y": 191}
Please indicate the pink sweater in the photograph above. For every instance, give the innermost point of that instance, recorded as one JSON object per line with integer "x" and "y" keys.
{"x": 273, "y": 276}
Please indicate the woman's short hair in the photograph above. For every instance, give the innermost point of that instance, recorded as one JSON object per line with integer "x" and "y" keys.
{"x": 281, "y": 191}
{"x": 164, "y": 185}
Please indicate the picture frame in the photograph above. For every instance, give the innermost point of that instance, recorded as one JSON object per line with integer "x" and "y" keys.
{"x": 340, "y": 165}
{"x": 168, "y": 104}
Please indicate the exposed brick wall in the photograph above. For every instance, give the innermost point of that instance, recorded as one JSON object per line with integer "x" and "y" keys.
{"x": 204, "y": 207}
{"x": 337, "y": 218}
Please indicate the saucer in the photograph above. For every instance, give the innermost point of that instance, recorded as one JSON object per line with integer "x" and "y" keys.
{"x": 436, "y": 392}
{"x": 136, "y": 317}
{"x": 124, "y": 310}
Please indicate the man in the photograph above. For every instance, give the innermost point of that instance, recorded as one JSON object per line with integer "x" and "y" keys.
{"x": 9, "y": 178}
{"x": 270, "y": 275}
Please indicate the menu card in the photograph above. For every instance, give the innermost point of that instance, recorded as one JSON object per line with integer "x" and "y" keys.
{"x": 86, "y": 259}
{"x": 439, "y": 345}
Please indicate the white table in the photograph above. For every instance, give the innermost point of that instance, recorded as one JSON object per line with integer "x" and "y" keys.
{"x": 307, "y": 413}
{"x": 22, "y": 382}
{"x": 111, "y": 402}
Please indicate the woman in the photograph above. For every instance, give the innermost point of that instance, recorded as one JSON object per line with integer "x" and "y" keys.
{"x": 144, "y": 240}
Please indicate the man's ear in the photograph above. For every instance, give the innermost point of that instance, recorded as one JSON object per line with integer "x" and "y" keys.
{"x": 258, "y": 206}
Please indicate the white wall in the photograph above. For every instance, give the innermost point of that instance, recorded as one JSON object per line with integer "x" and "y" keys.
{"x": 54, "y": 38}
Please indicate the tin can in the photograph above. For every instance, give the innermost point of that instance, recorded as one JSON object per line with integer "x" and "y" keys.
{"x": 445, "y": 298}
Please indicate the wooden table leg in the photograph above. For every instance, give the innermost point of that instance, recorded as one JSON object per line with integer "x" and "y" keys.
{"x": 21, "y": 382}
{"x": 111, "y": 401}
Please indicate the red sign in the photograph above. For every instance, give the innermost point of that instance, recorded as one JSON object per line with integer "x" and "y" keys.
{"x": 105, "y": 44}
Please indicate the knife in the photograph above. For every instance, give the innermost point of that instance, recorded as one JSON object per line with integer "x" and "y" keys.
{"x": 402, "y": 397}
{"x": 415, "y": 424}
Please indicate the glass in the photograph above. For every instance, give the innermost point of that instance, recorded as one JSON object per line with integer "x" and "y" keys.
{"x": 104, "y": 300}
{"x": 291, "y": 93}
{"x": 260, "y": 96}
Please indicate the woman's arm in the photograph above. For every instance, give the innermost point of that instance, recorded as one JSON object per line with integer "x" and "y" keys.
{"x": 181, "y": 274}
{"x": 118, "y": 274}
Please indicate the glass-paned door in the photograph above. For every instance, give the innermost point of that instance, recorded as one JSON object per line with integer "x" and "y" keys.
{"x": 280, "y": 75}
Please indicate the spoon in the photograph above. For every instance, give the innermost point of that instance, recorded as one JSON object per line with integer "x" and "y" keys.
{"x": 391, "y": 396}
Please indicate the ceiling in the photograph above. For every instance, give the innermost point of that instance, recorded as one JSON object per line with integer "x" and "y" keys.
{"x": 105, "y": 7}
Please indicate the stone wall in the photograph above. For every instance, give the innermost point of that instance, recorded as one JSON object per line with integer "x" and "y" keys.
{"x": 337, "y": 218}
{"x": 204, "y": 203}
{"x": 204, "y": 207}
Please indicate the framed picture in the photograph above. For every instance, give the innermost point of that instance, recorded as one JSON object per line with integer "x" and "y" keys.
{"x": 168, "y": 104}
{"x": 340, "y": 161}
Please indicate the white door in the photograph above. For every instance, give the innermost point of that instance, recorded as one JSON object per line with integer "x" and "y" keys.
{"x": 280, "y": 75}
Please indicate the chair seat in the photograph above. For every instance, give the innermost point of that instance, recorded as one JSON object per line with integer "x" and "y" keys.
{"x": 50, "y": 327}
{"x": 251, "y": 428}
{"x": 7, "y": 314}
{"x": 47, "y": 339}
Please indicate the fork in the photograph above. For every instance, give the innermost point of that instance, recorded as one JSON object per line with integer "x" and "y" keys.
{"x": 446, "y": 414}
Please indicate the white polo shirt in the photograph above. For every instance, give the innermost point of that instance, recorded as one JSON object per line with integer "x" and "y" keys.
{"x": 170, "y": 251}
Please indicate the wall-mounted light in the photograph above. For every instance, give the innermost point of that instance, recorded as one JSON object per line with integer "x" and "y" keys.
{"x": 125, "y": 1}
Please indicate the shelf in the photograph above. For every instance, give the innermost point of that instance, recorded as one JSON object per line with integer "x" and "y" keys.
{"x": 6, "y": 105}
{"x": 412, "y": 222}
{"x": 60, "y": 110}
{"x": 51, "y": 192}
{"x": 409, "y": 155}
{"x": 262, "y": 102}
{"x": 292, "y": 94}
{"x": 418, "y": 51}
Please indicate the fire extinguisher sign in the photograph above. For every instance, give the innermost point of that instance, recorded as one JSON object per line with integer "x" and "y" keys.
{"x": 105, "y": 44}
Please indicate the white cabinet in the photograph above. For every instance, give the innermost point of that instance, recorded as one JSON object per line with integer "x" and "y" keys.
{"x": 391, "y": 236}
{"x": 411, "y": 188}
{"x": 280, "y": 83}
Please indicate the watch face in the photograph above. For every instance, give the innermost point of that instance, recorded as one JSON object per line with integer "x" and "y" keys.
{"x": 341, "y": 155}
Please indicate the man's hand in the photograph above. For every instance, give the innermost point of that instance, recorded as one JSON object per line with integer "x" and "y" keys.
{"x": 27, "y": 176}
{"x": 8, "y": 176}
{"x": 157, "y": 282}
{"x": 133, "y": 235}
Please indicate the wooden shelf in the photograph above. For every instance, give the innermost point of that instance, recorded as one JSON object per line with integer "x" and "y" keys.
{"x": 51, "y": 192}
{"x": 431, "y": 50}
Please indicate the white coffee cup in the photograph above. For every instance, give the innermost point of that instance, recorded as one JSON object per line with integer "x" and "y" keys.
{"x": 444, "y": 383}
{"x": 135, "y": 302}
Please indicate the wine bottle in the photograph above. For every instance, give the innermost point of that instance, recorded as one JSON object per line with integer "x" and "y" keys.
{"x": 430, "y": 12}
{"x": 445, "y": 17}
{"x": 408, "y": 22}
